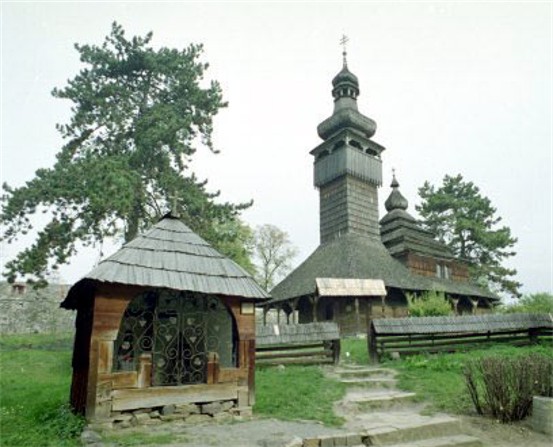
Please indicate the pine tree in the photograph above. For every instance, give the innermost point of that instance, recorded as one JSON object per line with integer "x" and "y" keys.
{"x": 458, "y": 214}
{"x": 138, "y": 116}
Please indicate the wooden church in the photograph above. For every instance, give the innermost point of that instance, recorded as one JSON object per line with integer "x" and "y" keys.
{"x": 165, "y": 329}
{"x": 364, "y": 267}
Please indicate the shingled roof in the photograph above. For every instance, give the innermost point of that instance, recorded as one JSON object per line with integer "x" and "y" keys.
{"x": 170, "y": 255}
{"x": 357, "y": 256}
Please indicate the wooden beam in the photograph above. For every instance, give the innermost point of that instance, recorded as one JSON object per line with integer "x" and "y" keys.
{"x": 178, "y": 395}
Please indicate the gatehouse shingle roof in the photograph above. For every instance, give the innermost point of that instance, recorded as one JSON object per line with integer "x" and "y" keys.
{"x": 170, "y": 255}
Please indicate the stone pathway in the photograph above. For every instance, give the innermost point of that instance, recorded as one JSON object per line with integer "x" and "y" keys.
{"x": 385, "y": 416}
{"x": 376, "y": 413}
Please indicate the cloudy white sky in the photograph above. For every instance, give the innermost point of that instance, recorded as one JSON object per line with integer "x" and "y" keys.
{"x": 455, "y": 87}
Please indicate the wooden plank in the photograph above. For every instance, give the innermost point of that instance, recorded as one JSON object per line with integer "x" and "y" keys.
{"x": 121, "y": 379}
{"x": 227, "y": 375}
{"x": 296, "y": 361}
{"x": 288, "y": 347}
{"x": 324, "y": 353}
{"x": 429, "y": 343}
{"x": 178, "y": 395}
{"x": 414, "y": 337}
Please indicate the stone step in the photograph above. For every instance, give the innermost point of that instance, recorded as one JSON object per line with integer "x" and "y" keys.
{"x": 385, "y": 382}
{"x": 443, "y": 441}
{"x": 418, "y": 430}
{"x": 364, "y": 372}
{"x": 379, "y": 398}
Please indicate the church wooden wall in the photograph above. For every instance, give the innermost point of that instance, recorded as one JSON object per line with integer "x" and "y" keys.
{"x": 108, "y": 391}
{"x": 426, "y": 266}
{"x": 351, "y": 318}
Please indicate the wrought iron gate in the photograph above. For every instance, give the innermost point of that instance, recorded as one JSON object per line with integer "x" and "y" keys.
{"x": 179, "y": 329}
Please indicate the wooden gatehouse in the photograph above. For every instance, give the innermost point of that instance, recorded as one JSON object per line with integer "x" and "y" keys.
{"x": 167, "y": 322}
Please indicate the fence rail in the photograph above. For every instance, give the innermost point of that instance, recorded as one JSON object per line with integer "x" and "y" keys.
{"x": 313, "y": 343}
{"x": 408, "y": 336}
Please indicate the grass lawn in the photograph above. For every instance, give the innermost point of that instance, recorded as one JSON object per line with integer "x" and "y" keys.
{"x": 439, "y": 378}
{"x": 297, "y": 392}
{"x": 35, "y": 374}
{"x": 35, "y": 377}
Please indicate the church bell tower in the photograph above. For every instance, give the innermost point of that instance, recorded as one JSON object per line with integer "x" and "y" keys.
{"x": 347, "y": 165}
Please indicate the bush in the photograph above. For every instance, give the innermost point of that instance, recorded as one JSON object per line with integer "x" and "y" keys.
{"x": 429, "y": 304}
{"x": 503, "y": 387}
{"x": 534, "y": 303}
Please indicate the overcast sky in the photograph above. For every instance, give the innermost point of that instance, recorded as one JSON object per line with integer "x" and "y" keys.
{"x": 454, "y": 88}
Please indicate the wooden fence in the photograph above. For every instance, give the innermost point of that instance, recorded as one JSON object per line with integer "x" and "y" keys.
{"x": 311, "y": 343}
{"x": 417, "y": 335}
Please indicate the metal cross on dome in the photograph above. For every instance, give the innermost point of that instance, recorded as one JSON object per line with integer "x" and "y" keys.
{"x": 343, "y": 41}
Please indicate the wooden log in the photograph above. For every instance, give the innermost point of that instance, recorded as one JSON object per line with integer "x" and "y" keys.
{"x": 178, "y": 395}
{"x": 310, "y": 361}
{"x": 429, "y": 343}
{"x": 288, "y": 347}
{"x": 284, "y": 355}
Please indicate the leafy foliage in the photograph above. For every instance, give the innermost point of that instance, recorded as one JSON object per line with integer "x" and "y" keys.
{"x": 504, "y": 387}
{"x": 273, "y": 254}
{"x": 429, "y": 304}
{"x": 534, "y": 303}
{"x": 466, "y": 221}
{"x": 138, "y": 116}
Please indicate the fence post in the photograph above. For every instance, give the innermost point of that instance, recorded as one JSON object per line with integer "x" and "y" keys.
{"x": 372, "y": 346}
{"x": 335, "y": 351}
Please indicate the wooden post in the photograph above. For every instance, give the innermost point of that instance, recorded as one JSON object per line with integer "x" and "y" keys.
{"x": 371, "y": 344}
{"x": 336, "y": 351}
{"x": 145, "y": 370}
{"x": 265, "y": 310}
{"x": 294, "y": 306}
{"x": 474, "y": 304}
{"x": 314, "y": 301}
{"x": 533, "y": 335}
{"x": 212, "y": 368}
{"x": 455, "y": 302}
{"x": 383, "y": 299}
{"x": 357, "y": 316}
{"x": 278, "y": 315}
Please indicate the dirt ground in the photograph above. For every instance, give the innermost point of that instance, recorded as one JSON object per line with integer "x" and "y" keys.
{"x": 495, "y": 434}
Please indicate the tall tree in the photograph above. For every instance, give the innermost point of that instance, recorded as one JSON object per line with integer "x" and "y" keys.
{"x": 138, "y": 116}
{"x": 458, "y": 214}
{"x": 273, "y": 253}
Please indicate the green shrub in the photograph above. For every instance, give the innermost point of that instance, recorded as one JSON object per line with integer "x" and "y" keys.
{"x": 429, "y": 304}
{"x": 534, "y": 303}
{"x": 503, "y": 387}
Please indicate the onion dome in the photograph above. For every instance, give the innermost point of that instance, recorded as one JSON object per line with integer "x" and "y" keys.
{"x": 346, "y": 115}
{"x": 395, "y": 201}
{"x": 345, "y": 84}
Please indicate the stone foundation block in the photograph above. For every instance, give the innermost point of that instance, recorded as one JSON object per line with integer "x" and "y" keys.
{"x": 311, "y": 442}
{"x": 212, "y": 408}
{"x": 169, "y": 409}
{"x": 172, "y": 417}
{"x": 198, "y": 418}
{"x": 353, "y": 439}
{"x": 140, "y": 418}
{"x": 326, "y": 441}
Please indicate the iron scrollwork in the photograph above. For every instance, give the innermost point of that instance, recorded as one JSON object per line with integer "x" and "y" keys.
{"x": 179, "y": 329}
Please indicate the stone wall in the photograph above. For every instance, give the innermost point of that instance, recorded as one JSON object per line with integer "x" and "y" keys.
{"x": 26, "y": 310}
{"x": 190, "y": 413}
